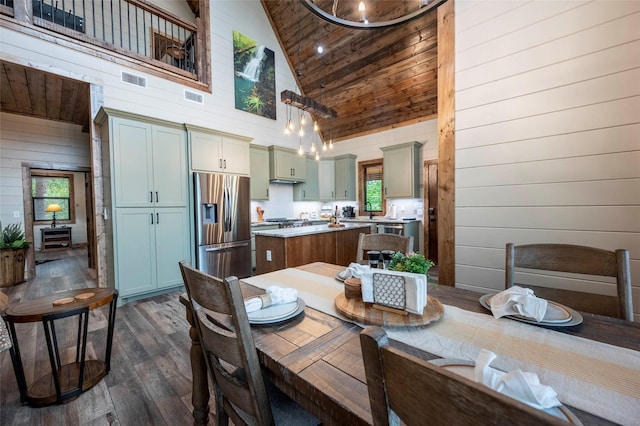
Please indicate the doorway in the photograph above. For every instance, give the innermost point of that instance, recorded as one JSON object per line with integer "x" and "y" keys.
{"x": 83, "y": 224}
{"x": 430, "y": 173}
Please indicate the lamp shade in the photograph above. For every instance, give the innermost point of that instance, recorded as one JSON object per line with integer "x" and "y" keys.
{"x": 53, "y": 208}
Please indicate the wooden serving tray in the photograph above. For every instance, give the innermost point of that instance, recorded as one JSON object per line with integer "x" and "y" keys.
{"x": 357, "y": 310}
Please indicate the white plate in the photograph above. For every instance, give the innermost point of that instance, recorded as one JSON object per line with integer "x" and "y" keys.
{"x": 339, "y": 278}
{"x": 556, "y": 315}
{"x": 276, "y": 313}
{"x": 466, "y": 369}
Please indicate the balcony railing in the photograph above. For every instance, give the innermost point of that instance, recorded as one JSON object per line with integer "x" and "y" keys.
{"x": 132, "y": 27}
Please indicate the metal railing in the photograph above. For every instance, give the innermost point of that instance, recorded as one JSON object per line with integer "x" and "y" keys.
{"x": 132, "y": 27}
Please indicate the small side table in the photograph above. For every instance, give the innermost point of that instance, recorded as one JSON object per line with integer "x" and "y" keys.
{"x": 64, "y": 382}
{"x": 53, "y": 238}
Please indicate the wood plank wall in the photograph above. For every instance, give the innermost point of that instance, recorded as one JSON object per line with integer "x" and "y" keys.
{"x": 547, "y": 125}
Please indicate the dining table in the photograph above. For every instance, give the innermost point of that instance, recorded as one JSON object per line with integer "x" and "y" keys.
{"x": 316, "y": 359}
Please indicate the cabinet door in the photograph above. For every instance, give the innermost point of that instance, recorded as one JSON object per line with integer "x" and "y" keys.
{"x": 132, "y": 163}
{"x": 135, "y": 262}
{"x": 345, "y": 179}
{"x": 402, "y": 167}
{"x": 326, "y": 180}
{"x": 259, "y": 173}
{"x": 398, "y": 177}
{"x": 172, "y": 244}
{"x": 235, "y": 156}
{"x": 206, "y": 151}
{"x": 299, "y": 164}
{"x": 283, "y": 164}
{"x": 308, "y": 191}
{"x": 169, "y": 167}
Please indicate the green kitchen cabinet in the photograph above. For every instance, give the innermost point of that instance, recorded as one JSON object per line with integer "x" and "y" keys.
{"x": 259, "y": 156}
{"x": 286, "y": 165}
{"x": 327, "y": 179}
{"x": 345, "y": 177}
{"x": 308, "y": 190}
{"x": 402, "y": 170}
{"x": 218, "y": 152}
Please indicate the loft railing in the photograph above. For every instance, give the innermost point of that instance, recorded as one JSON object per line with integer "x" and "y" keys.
{"x": 131, "y": 27}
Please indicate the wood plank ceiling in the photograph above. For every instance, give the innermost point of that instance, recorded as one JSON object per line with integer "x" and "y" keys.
{"x": 35, "y": 93}
{"x": 374, "y": 79}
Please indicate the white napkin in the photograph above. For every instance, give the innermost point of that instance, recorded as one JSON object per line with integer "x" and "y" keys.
{"x": 275, "y": 295}
{"x": 518, "y": 301}
{"x": 415, "y": 287}
{"x": 354, "y": 270}
{"x": 517, "y": 384}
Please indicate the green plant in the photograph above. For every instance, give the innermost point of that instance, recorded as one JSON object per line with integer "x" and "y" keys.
{"x": 12, "y": 237}
{"x": 414, "y": 262}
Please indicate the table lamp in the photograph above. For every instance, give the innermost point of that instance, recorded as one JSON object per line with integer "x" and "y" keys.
{"x": 53, "y": 208}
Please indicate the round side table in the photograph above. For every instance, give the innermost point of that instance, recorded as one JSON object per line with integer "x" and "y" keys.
{"x": 64, "y": 382}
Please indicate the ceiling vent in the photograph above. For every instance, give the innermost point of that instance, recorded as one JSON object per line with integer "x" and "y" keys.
{"x": 134, "y": 79}
{"x": 193, "y": 97}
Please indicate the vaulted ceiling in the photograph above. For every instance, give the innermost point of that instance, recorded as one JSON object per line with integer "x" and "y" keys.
{"x": 374, "y": 79}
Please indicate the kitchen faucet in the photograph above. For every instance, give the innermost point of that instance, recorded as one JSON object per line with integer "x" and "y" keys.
{"x": 369, "y": 209}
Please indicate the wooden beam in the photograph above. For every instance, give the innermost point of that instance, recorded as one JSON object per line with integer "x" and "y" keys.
{"x": 307, "y": 104}
{"x": 446, "y": 144}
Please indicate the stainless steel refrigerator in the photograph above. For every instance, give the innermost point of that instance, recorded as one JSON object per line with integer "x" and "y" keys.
{"x": 223, "y": 224}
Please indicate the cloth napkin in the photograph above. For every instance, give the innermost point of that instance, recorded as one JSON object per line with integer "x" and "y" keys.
{"x": 415, "y": 287}
{"x": 517, "y": 384}
{"x": 354, "y": 270}
{"x": 518, "y": 301}
{"x": 275, "y": 295}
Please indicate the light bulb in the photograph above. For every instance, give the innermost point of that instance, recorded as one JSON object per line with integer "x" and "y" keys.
{"x": 301, "y": 132}
{"x": 286, "y": 130}
{"x": 330, "y": 143}
{"x": 324, "y": 146}
{"x": 317, "y": 156}
{"x": 363, "y": 13}
{"x": 300, "y": 149}
{"x": 303, "y": 120}
{"x": 315, "y": 126}
{"x": 313, "y": 147}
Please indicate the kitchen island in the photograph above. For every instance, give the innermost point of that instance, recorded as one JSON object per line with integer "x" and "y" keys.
{"x": 290, "y": 247}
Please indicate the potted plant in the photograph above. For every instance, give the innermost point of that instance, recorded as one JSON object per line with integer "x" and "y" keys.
{"x": 13, "y": 250}
{"x": 412, "y": 262}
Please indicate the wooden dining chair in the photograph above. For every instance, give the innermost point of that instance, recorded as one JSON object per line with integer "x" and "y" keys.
{"x": 381, "y": 242}
{"x": 578, "y": 260}
{"x": 407, "y": 389}
{"x": 231, "y": 356}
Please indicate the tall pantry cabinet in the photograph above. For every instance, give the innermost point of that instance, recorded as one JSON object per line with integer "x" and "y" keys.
{"x": 146, "y": 202}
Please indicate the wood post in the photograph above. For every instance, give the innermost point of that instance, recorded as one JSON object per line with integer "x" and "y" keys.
{"x": 446, "y": 144}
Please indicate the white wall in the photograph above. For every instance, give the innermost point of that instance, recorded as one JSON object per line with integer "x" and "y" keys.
{"x": 32, "y": 140}
{"x": 547, "y": 131}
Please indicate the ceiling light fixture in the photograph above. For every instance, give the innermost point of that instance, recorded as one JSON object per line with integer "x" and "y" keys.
{"x": 369, "y": 22}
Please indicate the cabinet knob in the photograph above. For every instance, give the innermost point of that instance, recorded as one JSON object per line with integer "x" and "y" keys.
{"x": 156, "y": 196}
{"x": 151, "y": 214}
{"x": 225, "y": 164}
{"x": 151, "y": 196}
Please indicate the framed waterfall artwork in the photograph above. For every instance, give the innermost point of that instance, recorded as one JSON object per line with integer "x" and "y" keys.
{"x": 254, "y": 76}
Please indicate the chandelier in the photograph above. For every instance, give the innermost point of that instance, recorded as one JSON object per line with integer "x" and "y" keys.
{"x": 360, "y": 17}
{"x": 304, "y": 105}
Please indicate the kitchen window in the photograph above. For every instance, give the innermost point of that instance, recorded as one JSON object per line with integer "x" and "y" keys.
{"x": 370, "y": 187}
{"x": 52, "y": 188}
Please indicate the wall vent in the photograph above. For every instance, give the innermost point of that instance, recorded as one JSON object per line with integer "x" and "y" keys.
{"x": 134, "y": 79}
{"x": 193, "y": 97}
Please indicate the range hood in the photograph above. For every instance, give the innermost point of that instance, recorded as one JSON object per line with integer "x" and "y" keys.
{"x": 286, "y": 181}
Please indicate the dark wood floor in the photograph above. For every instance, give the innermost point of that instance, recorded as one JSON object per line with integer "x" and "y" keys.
{"x": 150, "y": 378}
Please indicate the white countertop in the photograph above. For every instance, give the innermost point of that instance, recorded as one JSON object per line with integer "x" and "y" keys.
{"x": 306, "y": 230}
{"x": 378, "y": 219}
